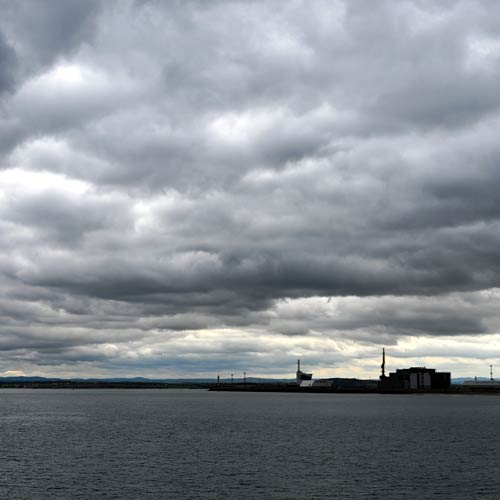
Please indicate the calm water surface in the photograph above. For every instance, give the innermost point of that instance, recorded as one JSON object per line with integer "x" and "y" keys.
{"x": 190, "y": 444}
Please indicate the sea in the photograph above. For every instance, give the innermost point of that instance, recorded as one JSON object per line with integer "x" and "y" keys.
{"x": 193, "y": 444}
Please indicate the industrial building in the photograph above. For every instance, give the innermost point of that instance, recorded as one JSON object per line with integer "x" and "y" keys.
{"x": 414, "y": 379}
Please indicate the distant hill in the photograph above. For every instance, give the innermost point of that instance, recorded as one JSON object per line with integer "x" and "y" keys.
{"x": 140, "y": 380}
{"x": 461, "y": 380}
{"x": 30, "y": 379}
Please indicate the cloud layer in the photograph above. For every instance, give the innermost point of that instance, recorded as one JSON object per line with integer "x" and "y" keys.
{"x": 192, "y": 188}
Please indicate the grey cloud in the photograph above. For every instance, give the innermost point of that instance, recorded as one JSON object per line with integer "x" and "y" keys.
{"x": 45, "y": 31}
{"x": 39, "y": 35}
{"x": 8, "y": 62}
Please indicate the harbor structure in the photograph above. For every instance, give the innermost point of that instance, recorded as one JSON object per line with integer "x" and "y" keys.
{"x": 413, "y": 379}
{"x": 303, "y": 379}
{"x": 305, "y": 382}
{"x": 491, "y": 385}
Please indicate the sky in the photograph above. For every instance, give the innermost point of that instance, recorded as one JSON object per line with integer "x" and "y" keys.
{"x": 198, "y": 188}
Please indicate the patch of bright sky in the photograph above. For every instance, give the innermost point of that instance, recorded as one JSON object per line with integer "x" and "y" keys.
{"x": 243, "y": 127}
{"x": 29, "y": 181}
{"x": 65, "y": 77}
{"x": 483, "y": 54}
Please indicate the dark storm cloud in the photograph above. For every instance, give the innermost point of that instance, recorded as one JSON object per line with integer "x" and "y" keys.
{"x": 38, "y": 34}
{"x": 45, "y": 31}
{"x": 173, "y": 173}
{"x": 8, "y": 62}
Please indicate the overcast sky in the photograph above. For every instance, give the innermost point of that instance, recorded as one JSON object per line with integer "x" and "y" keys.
{"x": 198, "y": 188}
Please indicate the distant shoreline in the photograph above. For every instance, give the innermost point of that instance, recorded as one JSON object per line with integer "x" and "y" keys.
{"x": 227, "y": 387}
{"x": 101, "y": 385}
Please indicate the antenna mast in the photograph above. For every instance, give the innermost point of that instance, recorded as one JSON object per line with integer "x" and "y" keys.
{"x": 491, "y": 373}
{"x": 383, "y": 363}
